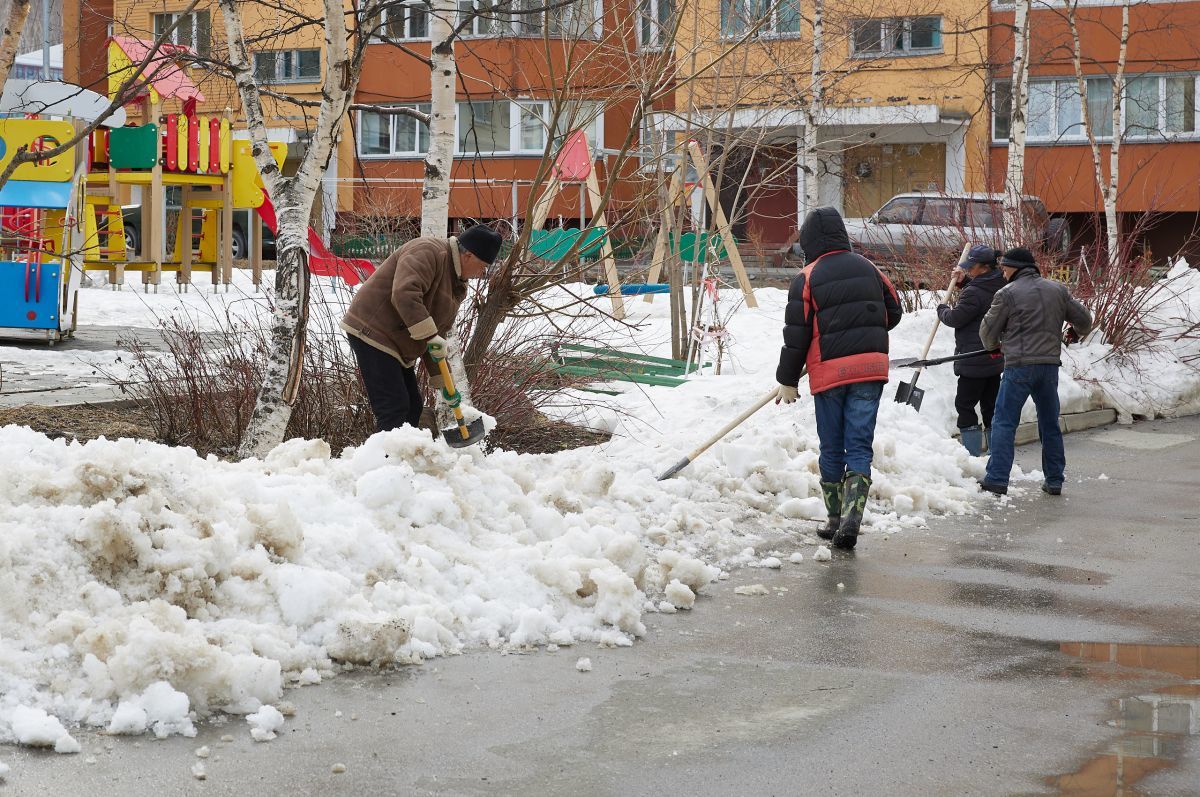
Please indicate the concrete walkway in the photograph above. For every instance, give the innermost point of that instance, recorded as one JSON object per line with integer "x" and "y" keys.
{"x": 1046, "y": 647}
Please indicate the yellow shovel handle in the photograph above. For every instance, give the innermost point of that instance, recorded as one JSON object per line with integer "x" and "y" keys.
{"x": 448, "y": 380}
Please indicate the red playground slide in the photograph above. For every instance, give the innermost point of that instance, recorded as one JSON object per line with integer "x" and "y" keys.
{"x": 321, "y": 262}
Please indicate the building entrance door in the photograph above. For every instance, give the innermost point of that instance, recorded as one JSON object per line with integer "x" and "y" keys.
{"x": 877, "y": 172}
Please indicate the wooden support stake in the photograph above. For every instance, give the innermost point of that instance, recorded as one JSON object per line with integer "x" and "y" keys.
{"x": 185, "y": 239}
{"x": 663, "y": 241}
{"x": 542, "y": 209}
{"x": 606, "y": 252}
{"x": 158, "y": 203}
{"x": 225, "y": 261}
{"x": 710, "y": 193}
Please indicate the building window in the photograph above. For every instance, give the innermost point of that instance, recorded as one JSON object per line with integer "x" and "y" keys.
{"x": 1160, "y": 105}
{"x": 571, "y": 18}
{"x": 655, "y": 18}
{"x": 875, "y": 38}
{"x": 392, "y": 135}
{"x": 288, "y": 66}
{"x": 194, "y": 30}
{"x": 1155, "y": 106}
{"x": 764, "y": 17}
{"x": 406, "y": 21}
{"x": 520, "y": 127}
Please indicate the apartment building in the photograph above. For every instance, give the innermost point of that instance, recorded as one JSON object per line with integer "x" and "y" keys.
{"x": 1159, "y": 154}
{"x": 902, "y": 85}
{"x": 525, "y": 79}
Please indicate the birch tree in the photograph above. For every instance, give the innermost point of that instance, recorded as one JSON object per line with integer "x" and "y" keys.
{"x": 293, "y": 199}
{"x": 1108, "y": 185}
{"x": 809, "y": 158}
{"x": 1014, "y": 177}
{"x": 14, "y": 12}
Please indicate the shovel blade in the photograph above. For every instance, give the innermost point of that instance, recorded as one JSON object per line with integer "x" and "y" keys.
{"x": 475, "y": 432}
{"x": 909, "y": 394}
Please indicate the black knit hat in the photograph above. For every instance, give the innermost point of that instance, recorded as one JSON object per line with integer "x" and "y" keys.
{"x": 481, "y": 241}
{"x": 1018, "y": 257}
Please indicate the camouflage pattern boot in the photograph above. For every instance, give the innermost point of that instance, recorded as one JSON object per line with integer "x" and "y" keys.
{"x": 832, "y": 491}
{"x": 854, "y": 501}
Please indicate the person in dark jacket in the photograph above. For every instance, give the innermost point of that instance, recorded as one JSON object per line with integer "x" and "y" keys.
{"x": 839, "y": 311}
{"x": 978, "y": 377}
{"x": 1026, "y": 318}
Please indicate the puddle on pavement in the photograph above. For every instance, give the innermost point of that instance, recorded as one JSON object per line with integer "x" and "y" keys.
{"x": 1155, "y": 725}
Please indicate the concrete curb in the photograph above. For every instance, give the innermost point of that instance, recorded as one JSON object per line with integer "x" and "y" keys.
{"x": 1070, "y": 422}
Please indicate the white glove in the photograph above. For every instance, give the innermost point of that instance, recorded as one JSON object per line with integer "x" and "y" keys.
{"x": 787, "y": 394}
{"x": 438, "y": 348}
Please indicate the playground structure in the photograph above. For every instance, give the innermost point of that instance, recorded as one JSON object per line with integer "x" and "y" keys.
{"x": 39, "y": 233}
{"x": 214, "y": 170}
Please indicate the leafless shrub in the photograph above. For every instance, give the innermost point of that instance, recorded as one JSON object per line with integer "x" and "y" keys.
{"x": 200, "y": 388}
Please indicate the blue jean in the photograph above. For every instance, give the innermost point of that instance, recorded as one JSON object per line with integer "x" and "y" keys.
{"x": 1019, "y": 384}
{"x": 846, "y": 426}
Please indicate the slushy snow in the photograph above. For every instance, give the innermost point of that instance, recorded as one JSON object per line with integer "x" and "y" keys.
{"x": 143, "y": 588}
{"x": 264, "y": 723}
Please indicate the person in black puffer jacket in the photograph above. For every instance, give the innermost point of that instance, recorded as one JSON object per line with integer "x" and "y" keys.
{"x": 839, "y": 311}
{"x": 978, "y": 377}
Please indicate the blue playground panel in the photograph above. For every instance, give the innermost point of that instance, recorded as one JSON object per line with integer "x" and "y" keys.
{"x": 29, "y": 296}
{"x": 35, "y": 194}
{"x": 635, "y": 289}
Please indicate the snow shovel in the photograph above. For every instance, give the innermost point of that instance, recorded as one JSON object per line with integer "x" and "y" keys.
{"x": 913, "y": 362}
{"x": 726, "y": 429}
{"x": 908, "y": 392}
{"x": 463, "y": 434}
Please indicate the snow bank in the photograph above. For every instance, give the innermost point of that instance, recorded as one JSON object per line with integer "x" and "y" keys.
{"x": 142, "y": 587}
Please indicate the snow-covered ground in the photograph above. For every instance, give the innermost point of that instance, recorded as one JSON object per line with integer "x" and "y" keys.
{"x": 142, "y": 587}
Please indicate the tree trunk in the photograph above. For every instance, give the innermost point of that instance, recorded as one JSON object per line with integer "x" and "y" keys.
{"x": 810, "y": 161}
{"x": 1108, "y": 187}
{"x": 10, "y": 38}
{"x": 439, "y": 164}
{"x": 1014, "y": 180}
{"x": 293, "y": 199}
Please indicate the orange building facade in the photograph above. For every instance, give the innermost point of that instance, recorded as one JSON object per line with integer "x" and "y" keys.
{"x": 1159, "y": 134}
{"x": 581, "y": 63}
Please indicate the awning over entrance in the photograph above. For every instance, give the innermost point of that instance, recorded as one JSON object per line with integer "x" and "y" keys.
{"x": 865, "y": 116}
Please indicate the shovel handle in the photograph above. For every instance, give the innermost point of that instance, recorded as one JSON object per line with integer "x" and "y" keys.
{"x": 451, "y": 394}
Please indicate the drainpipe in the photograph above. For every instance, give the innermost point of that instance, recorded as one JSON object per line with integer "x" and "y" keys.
{"x": 45, "y": 39}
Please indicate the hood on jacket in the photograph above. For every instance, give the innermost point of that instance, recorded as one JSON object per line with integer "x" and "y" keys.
{"x": 822, "y": 232}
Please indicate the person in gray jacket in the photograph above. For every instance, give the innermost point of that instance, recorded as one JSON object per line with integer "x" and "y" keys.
{"x": 1026, "y": 320}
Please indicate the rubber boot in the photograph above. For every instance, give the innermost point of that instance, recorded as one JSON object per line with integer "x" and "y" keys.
{"x": 972, "y": 439}
{"x": 832, "y": 491}
{"x": 854, "y": 501}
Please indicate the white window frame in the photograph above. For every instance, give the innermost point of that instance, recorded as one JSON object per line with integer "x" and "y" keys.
{"x": 522, "y": 25}
{"x": 385, "y": 21}
{"x": 541, "y": 110}
{"x": 649, "y": 15}
{"x": 172, "y": 16}
{"x": 394, "y": 120}
{"x": 292, "y": 58}
{"x": 1160, "y": 133}
{"x": 1079, "y": 136}
{"x": 768, "y": 31}
{"x": 888, "y": 30}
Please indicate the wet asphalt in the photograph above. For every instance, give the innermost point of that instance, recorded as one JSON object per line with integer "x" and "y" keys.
{"x": 1052, "y": 649}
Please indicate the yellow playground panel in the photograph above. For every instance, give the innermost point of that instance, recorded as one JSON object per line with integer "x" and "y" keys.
{"x": 198, "y": 153}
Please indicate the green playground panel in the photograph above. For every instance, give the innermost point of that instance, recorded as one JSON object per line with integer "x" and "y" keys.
{"x": 556, "y": 244}
{"x": 688, "y": 249}
{"x": 610, "y": 375}
{"x": 133, "y": 147}
{"x": 625, "y": 355}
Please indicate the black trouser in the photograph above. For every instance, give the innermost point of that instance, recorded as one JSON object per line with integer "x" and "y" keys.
{"x": 972, "y": 390}
{"x": 392, "y": 389}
